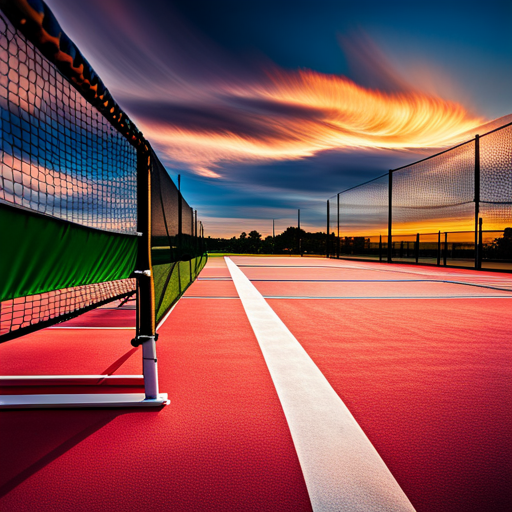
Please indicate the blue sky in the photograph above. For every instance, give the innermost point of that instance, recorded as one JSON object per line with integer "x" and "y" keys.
{"x": 237, "y": 96}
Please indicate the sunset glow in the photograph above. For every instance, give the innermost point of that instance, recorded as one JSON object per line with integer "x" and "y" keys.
{"x": 260, "y": 122}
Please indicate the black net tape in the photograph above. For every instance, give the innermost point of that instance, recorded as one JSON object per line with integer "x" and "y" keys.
{"x": 25, "y": 314}
{"x": 59, "y": 155}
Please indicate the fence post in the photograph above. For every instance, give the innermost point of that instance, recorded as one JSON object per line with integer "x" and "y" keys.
{"x": 180, "y": 214}
{"x": 445, "y": 253}
{"x": 328, "y": 226}
{"x": 390, "y": 217}
{"x": 338, "y": 244}
{"x": 439, "y": 248}
{"x": 477, "y": 199}
{"x": 480, "y": 243}
{"x": 417, "y": 248}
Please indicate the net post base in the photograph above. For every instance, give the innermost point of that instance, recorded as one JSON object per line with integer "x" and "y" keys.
{"x": 77, "y": 400}
{"x": 81, "y": 401}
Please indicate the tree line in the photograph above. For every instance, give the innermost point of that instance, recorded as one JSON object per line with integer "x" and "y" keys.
{"x": 291, "y": 241}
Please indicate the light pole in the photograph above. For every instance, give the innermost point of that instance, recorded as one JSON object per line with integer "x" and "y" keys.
{"x": 298, "y": 232}
{"x": 273, "y": 236}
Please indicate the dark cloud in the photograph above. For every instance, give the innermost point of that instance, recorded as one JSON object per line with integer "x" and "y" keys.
{"x": 244, "y": 117}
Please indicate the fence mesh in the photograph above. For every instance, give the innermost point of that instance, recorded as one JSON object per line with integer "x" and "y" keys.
{"x": 496, "y": 179}
{"x": 437, "y": 193}
{"x": 364, "y": 209}
{"x": 177, "y": 255}
{"x": 433, "y": 208}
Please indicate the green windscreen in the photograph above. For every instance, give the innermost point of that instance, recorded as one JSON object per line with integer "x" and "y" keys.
{"x": 41, "y": 254}
{"x": 177, "y": 252}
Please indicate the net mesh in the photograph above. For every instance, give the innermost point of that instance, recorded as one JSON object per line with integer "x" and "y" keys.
{"x": 21, "y": 315}
{"x": 437, "y": 193}
{"x": 61, "y": 157}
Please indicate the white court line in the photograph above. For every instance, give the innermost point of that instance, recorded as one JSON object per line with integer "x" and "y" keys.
{"x": 91, "y": 328}
{"x": 307, "y": 297}
{"x": 167, "y": 315}
{"x": 342, "y": 469}
{"x": 405, "y": 297}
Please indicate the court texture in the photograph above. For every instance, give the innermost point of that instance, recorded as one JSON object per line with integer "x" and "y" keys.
{"x": 295, "y": 384}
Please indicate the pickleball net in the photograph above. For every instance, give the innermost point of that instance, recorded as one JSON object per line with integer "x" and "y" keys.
{"x": 71, "y": 188}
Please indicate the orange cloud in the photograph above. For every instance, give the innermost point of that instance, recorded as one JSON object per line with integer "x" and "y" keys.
{"x": 296, "y": 114}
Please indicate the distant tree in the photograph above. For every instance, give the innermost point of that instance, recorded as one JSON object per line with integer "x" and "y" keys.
{"x": 254, "y": 244}
{"x": 500, "y": 248}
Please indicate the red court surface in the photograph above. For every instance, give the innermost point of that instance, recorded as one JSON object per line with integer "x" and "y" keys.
{"x": 411, "y": 289}
{"x": 222, "y": 444}
{"x": 212, "y": 289}
{"x": 429, "y": 382}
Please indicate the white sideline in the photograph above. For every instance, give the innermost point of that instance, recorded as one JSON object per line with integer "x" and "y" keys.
{"x": 342, "y": 469}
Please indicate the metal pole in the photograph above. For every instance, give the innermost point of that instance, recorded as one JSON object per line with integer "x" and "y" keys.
{"x": 477, "y": 198}
{"x": 146, "y": 328}
{"x": 338, "y": 244}
{"x": 180, "y": 220}
{"x": 480, "y": 243}
{"x": 445, "y": 253}
{"x": 273, "y": 236}
{"x": 439, "y": 248}
{"x": 328, "y": 229}
{"x": 298, "y": 233}
{"x": 380, "y": 247}
{"x": 417, "y": 248}
{"x": 390, "y": 217}
{"x": 195, "y": 224}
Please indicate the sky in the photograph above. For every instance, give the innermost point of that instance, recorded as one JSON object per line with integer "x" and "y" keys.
{"x": 265, "y": 107}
